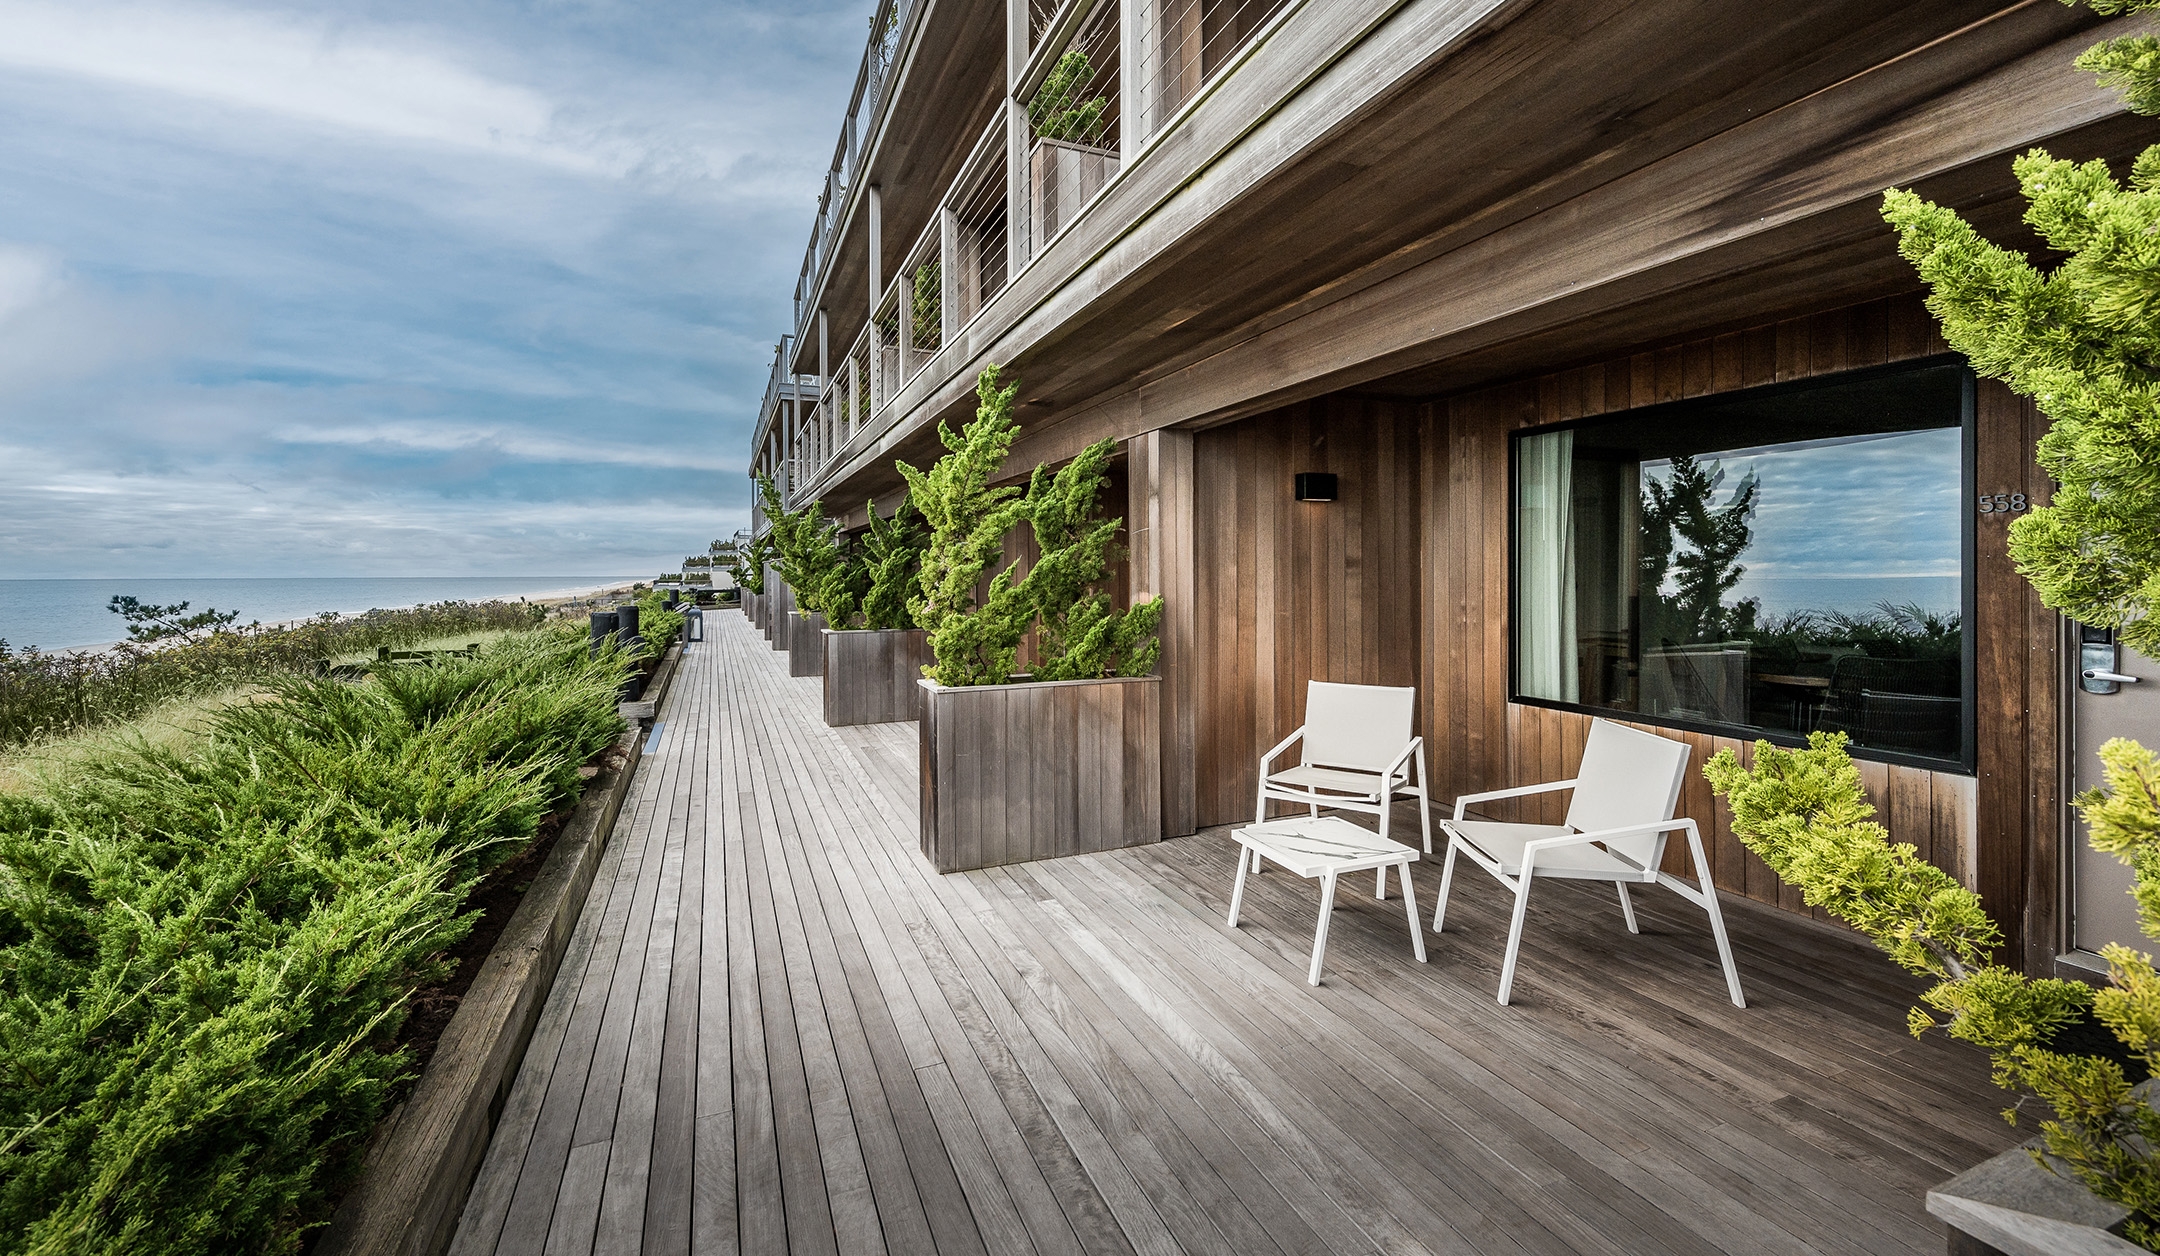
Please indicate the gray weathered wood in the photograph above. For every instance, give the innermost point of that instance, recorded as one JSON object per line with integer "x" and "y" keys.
{"x": 871, "y": 675}
{"x": 1039, "y": 770}
{"x": 806, "y": 643}
{"x": 1075, "y": 1056}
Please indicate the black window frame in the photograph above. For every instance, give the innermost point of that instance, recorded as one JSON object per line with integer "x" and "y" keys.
{"x": 1966, "y": 764}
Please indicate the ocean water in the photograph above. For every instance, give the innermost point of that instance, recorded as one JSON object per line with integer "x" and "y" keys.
{"x": 57, "y": 614}
{"x": 1784, "y": 594}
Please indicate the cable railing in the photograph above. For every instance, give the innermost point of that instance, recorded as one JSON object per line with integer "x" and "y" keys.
{"x": 888, "y": 25}
{"x": 1074, "y": 102}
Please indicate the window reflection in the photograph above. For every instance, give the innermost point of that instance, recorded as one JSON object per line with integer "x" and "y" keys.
{"x": 1774, "y": 563}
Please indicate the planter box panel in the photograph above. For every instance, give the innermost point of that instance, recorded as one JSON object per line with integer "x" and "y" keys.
{"x": 1013, "y": 773}
{"x": 776, "y": 612}
{"x": 871, "y": 675}
{"x": 805, "y": 644}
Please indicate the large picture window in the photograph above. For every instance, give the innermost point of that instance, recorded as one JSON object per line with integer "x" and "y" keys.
{"x": 1765, "y": 563}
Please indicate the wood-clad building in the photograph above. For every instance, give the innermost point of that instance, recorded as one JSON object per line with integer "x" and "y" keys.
{"x": 1419, "y": 245}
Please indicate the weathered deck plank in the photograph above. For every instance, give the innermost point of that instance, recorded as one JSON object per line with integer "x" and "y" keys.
{"x": 779, "y": 1030}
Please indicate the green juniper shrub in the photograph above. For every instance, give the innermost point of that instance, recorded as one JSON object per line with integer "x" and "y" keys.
{"x": 204, "y": 956}
{"x": 846, "y": 581}
{"x": 659, "y": 626}
{"x": 1081, "y": 636}
{"x": 974, "y": 632}
{"x": 1803, "y": 811}
{"x": 1062, "y": 109}
{"x": 975, "y": 629}
{"x": 2081, "y": 339}
{"x": 804, "y": 549}
{"x": 892, "y": 556}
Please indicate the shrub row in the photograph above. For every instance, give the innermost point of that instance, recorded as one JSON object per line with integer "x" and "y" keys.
{"x": 205, "y": 956}
{"x": 51, "y": 694}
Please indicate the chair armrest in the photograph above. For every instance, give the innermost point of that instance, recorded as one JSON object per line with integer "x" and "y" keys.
{"x": 1280, "y": 746}
{"x": 1531, "y": 849}
{"x": 1516, "y": 792}
{"x": 1402, "y": 760}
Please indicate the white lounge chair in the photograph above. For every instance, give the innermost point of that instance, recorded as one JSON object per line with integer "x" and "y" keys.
{"x": 1358, "y": 755}
{"x": 1625, "y": 794}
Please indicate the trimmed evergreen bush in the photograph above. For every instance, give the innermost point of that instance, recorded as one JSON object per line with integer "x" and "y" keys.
{"x": 974, "y": 633}
{"x": 876, "y": 571}
{"x": 805, "y": 549}
{"x": 2081, "y": 340}
{"x": 976, "y": 630}
{"x": 1080, "y": 635}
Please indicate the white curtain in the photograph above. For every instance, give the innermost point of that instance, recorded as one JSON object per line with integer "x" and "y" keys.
{"x": 1545, "y": 643}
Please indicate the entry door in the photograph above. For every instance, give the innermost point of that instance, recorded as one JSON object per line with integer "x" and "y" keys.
{"x": 2101, "y": 908}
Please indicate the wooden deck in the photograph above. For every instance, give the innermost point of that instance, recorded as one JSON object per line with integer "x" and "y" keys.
{"x": 778, "y": 1030}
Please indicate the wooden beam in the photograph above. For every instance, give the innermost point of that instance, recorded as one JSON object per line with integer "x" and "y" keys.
{"x": 1159, "y": 521}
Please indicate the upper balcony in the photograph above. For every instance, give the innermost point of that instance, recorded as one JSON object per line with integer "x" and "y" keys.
{"x": 1181, "y": 211}
{"x": 1050, "y": 118}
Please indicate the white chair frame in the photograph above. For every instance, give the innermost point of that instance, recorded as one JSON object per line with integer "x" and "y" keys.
{"x": 1404, "y": 777}
{"x": 1629, "y": 872}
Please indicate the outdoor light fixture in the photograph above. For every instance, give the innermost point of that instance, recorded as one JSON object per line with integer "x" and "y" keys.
{"x": 1316, "y": 486}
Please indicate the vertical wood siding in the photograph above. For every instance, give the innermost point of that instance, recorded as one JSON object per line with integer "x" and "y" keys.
{"x": 1404, "y": 581}
{"x": 1290, "y": 591}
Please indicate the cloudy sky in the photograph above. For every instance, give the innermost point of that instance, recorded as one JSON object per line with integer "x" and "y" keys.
{"x": 396, "y": 287}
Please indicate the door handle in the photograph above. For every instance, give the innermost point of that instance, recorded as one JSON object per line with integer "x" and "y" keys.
{"x": 2109, "y": 678}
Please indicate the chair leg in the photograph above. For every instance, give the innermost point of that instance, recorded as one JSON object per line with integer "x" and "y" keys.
{"x": 1627, "y": 906}
{"x": 1514, "y": 937}
{"x": 1717, "y": 918}
{"x": 1409, "y": 902}
{"x": 1380, "y": 884}
{"x": 1319, "y": 941}
{"x": 1237, "y": 893}
{"x": 1424, "y": 801}
{"x": 1447, "y": 878}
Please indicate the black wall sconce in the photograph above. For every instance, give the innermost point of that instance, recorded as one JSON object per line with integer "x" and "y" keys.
{"x": 1316, "y": 486}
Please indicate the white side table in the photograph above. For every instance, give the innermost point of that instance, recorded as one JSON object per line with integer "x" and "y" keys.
{"x": 1325, "y": 847}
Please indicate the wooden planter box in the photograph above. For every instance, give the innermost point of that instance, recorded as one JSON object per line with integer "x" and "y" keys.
{"x": 750, "y": 606}
{"x": 780, "y": 600}
{"x": 1062, "y": 178}
{"x": 871, "y": 675}
{"x": 2009, "y": 1206}
{"x": 1012, "y": 773}
{"x": 805, "y": 643}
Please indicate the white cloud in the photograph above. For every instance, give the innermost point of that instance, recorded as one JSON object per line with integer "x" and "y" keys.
{"x": 371, "y": 81}
{"x": 522, "y": 443}
{"x": 54, "y": 328}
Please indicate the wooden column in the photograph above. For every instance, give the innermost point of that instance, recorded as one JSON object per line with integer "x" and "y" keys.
{"x": 875, "y": 204}
{"x": 1159, "y": 522}
{"x": 1018, "y": 248}
{"x": 948, "y": 275}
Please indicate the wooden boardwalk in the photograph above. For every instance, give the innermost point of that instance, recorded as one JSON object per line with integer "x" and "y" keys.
{"x": 778, "y": 1030}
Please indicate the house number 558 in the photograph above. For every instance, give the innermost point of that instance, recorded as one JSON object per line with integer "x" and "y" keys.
{"x": 2001, "y": 503}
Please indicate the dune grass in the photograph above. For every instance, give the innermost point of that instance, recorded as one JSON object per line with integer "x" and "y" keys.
{"x": 45, "y": 694}
{"x": 171, "y": 726}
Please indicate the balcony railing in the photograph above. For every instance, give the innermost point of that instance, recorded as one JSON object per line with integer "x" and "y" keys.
{"x": 887, "y": 27}
{"x": 1073, "y": 108}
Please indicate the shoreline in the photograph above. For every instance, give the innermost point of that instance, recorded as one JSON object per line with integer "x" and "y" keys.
{"x": 548, "y": 597}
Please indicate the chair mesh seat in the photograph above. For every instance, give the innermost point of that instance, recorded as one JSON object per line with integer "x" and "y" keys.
{"x": 1305, "y": 776}
{"x": 1504, "y": 843}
